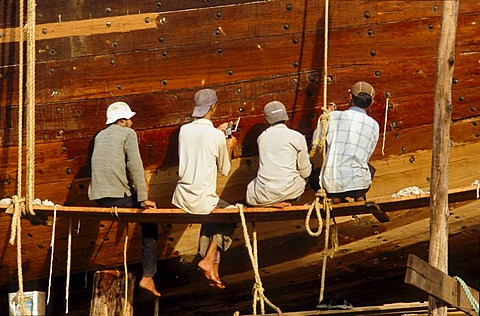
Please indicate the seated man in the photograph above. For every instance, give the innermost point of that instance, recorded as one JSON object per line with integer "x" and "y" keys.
{"x": 203, "y": 152}
{"x": 284, "y": 164}
{"x": 351, "y": 137}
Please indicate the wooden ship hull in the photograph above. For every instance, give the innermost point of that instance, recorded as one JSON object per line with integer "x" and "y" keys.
{"x": 155, "y": 56}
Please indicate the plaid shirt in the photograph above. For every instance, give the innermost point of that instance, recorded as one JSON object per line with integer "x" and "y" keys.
{"x": 351, "y": 139}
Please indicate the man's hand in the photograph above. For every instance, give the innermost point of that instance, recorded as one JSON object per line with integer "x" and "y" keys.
{"x": 231, "y": 143}
{"x": 223, "y": 127}
{"x": 148, "y": 204}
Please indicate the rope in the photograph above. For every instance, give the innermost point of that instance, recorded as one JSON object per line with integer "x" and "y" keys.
{"x": 30, "y": 86}
{"x": 327, "y": 206}
{"x": 125, "y": 305}
{"x": 113, "y": 211}
{"x": 325, "y": 59}
{"x": 16, "y": 232}
{"x": 20, "y": 98}
{"x": 408, "y": 191}
{"x": 477, "y": 183}
{"x": 469, "y": 295}
{"x": 69, "y": 263}
{"x": 258, "y": 290}
{"x": 385, "y": 127}
{"x": 52, "y": 245}
{"x": 320, "y": 143}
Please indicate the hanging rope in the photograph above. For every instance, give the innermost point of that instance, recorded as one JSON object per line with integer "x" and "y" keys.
{"x": 320, "y": 143}
{"x": 473, "y": 302}
{"x": 20, "y": 98}
{"x": 52, "y": 245}
{"x": 477, "y": 183}
{"x": 30, "y": 86}
{"x": 258, "y": 290}
{"x": 18, "y": 203}
{"x": 385, "y": 127}
{"x": 69, "y": 263}
{"x": 16, "y": 232}
{"x": 125, "y": 305}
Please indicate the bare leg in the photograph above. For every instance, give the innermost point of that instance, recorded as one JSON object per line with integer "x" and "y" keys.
{"x": 148, "y": 284}
{"x": 336, "y": 200}
{"x": 209, "y": 267}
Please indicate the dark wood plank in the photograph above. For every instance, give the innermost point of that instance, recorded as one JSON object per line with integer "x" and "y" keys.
{"x": 431, "y": 280}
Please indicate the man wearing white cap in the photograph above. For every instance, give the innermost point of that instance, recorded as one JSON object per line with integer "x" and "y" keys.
{"x": 203, "y": 150}
{"x": 284, "y": 163}
{"x": 115, "y": 154}
{"x": 351, "y": 137}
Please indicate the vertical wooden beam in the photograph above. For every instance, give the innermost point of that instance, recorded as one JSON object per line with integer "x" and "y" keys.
{"x": 438, "y": 255}
{"x": 108, "y": 295}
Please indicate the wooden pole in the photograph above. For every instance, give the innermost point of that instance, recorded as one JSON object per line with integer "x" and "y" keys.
{"x": 108, "y": 297}
{"x": 438, "y": 254}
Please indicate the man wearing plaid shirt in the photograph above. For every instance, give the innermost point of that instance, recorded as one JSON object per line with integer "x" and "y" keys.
{"x": 351, "y": 137}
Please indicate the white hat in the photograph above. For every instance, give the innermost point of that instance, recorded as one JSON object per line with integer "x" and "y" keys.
{"x": 118, "y": 110}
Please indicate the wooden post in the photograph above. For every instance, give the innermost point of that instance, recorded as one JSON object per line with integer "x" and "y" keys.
{"x": 438, "y": 255}
{"x": 108, "y": 295}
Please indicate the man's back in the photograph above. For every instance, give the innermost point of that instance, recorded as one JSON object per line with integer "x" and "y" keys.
{"x": 283, "y": 165}
{"x": 115, "y": 151}
{"x": 351, "y": 139}
{"x": 202, "y": 151}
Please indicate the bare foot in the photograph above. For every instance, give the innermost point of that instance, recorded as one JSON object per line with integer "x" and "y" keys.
{"x": 148, "y": 284}
{"x": 211, "y": 274}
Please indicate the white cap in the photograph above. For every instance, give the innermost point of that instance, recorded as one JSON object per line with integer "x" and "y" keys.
{"x": 118, "y": 110}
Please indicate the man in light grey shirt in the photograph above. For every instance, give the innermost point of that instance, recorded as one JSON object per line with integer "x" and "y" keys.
{"x": 116, "y": 160}
{"x": 284, "y": 163}
{"x": 203, "y": 150}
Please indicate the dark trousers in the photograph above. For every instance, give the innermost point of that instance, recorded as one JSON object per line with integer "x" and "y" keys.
{"x": 314, "y": 183}
{"x": 149, "y": 233}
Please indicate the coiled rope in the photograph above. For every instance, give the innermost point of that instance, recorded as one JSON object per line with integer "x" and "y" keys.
{"x": 258, "y": 290}
{"x": 469, "y": 295}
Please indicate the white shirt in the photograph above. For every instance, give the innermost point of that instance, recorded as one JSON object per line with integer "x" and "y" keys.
{"x": 351, "y": 139}
{"x": 283, "y": 166}
{"x": 202, "y": 150}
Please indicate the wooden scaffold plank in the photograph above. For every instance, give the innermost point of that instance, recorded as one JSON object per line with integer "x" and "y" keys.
{"x": 379, "y": 207}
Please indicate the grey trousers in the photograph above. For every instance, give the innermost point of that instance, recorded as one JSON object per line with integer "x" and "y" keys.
{"x": 220, "y": 234}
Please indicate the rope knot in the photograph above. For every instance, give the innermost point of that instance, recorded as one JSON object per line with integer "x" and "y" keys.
{"x": 321, "y": 193}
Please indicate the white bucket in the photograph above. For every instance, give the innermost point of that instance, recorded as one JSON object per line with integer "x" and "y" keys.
{"x": 34, "y": 303}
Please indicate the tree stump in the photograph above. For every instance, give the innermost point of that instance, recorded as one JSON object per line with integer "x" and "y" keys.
{"x": 108, "y": 294}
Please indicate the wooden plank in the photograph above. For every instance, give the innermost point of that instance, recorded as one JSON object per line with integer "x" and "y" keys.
{"x": 376, "y": 211}
{"x": 433, "y": 281}
{"x": 387, "y": 309}
{"x": 252, "y": 214}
